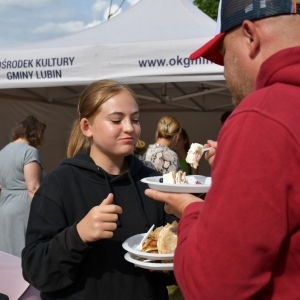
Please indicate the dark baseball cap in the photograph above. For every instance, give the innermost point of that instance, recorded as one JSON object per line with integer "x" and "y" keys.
{"x": 233, "y": 13}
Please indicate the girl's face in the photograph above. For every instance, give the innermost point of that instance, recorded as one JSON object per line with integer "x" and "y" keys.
{"x": 115, "y": 129}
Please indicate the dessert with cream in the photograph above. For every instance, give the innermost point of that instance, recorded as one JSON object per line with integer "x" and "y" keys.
{"x": 194, "y": 154}
{"x": 175, "y": 178}
{"x": 178, "y": 178}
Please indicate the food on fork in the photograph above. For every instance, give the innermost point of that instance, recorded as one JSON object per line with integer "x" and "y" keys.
{"x": 194, "y": 154}
{"x": 162, "y": 240}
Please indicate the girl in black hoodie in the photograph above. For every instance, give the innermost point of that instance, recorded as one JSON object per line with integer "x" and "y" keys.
{"x": 88, "y": 206}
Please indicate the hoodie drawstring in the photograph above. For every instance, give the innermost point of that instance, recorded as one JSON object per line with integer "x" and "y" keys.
{"x": 119, "y": 224}
{"x": 145, "y": 220}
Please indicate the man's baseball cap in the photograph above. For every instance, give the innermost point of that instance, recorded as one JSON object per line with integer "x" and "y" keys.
{"x": 234, "y": 12}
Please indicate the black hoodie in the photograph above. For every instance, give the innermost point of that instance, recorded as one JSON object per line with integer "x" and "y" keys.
{"x": 59, "y": 264}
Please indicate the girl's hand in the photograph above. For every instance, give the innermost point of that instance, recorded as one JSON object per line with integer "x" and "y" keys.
{"x": 100, "y": 222}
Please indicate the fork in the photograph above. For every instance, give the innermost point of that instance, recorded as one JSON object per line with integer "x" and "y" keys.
{"x": 202, "y": 153}
{"x": 206, "y": 149}
{"x": 140, "y": 245}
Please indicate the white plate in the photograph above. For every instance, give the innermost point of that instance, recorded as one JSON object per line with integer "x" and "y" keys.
{"x": 153, "y": 183}
{"x": 131, "y": 243}
{"x": 148, "y": 265}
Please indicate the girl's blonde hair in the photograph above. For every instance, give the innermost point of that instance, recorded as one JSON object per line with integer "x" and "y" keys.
{"x": 168, "y": 128}
{"x": 89, "y": 104}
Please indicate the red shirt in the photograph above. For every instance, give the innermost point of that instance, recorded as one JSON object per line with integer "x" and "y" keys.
{"x": 243, "y": 242}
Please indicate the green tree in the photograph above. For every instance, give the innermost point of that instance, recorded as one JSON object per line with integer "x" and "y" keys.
{"x": 210, "y": 7}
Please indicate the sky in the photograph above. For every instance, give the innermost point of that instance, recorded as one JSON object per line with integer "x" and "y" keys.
{"x": 28, "y": 21}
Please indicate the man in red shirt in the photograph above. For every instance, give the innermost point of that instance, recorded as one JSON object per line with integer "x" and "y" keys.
{"x": 243, "y": 241}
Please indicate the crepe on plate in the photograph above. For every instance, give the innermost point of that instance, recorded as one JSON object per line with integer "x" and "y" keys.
{"x": 162, "y": 240}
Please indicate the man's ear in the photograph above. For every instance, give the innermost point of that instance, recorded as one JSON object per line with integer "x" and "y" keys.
{"x": 85, "y": 127}
{"x": 251, "y": 33}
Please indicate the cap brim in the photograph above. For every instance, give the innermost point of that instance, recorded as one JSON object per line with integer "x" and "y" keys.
{"x": 210, "y": 50}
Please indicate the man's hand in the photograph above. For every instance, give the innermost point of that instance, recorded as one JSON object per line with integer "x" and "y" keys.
{"x": 210, "y": 154}
{"x": 175, "y": 203}
{"x": 100, "y": 221}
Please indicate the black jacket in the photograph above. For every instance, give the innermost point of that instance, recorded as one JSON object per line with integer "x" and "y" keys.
{"x": 59, "y": 264}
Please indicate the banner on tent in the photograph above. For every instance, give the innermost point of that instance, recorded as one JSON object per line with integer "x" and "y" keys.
{"x": 82, "y": 65}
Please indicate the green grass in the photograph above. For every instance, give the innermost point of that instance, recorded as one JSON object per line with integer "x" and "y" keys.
{"x": 174, "y": 293}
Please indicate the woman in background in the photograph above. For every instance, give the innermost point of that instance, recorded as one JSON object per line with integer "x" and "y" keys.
{"x": 88, "y": 206}
{"x": 21, "y": 173}
{"x": 161, "y": 155}
{"x": 182, "y": 147}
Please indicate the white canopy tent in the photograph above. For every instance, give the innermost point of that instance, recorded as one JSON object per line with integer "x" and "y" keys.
{"x": 147, "y": 46}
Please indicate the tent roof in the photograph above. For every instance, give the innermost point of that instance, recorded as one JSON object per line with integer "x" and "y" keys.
{"x": 146, "y": 21}
{"x": 146, "y": 46}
